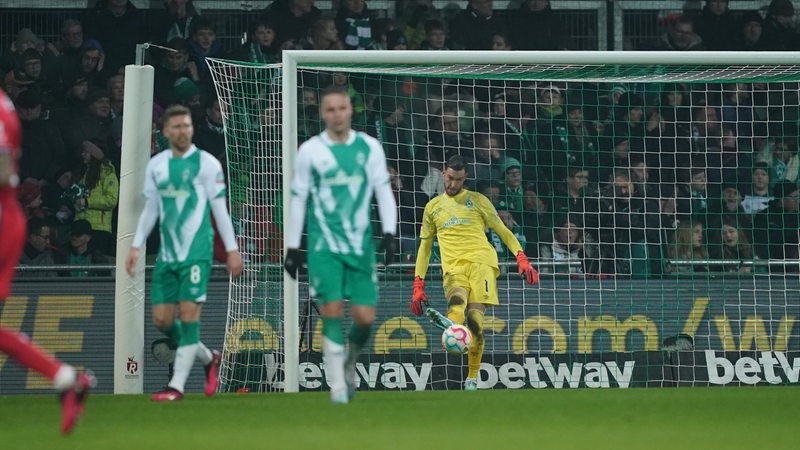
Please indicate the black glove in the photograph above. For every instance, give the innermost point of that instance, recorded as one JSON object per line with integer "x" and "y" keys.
{"x": 295, "y": 259}
{"x": 390, "y": 247}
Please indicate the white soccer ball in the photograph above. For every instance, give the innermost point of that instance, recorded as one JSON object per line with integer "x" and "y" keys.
{"x": 456, "y": 339}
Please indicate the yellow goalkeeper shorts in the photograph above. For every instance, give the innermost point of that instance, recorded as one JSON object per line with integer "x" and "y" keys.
{"x": 478, "y": 280}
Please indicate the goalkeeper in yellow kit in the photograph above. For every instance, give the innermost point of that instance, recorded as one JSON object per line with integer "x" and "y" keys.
{"x": 458, "y": 218}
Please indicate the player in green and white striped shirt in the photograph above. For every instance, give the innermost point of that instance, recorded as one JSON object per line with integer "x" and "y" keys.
{"x": 335, "y": 176}
{"x": 183, "y": 187}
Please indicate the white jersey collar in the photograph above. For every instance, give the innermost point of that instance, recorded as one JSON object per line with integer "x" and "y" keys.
{"x": 189, "y": 152}
{"x": 327, "y": 139}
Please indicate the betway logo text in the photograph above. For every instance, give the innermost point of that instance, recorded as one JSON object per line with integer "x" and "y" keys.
{"x": 541, "y": 373}
{"x": 534, "y": 372}
{"x": 767, "y": 368}
{"x": 390, "y": 375}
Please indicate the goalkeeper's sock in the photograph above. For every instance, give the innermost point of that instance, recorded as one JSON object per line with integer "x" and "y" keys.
{"x": 28, "y": 354}
{"x": 475, "y": 325}
{"x": 185, "y": 355}
{"x": 455, "y": 310}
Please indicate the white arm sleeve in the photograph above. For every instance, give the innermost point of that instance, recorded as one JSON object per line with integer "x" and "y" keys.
{"x": 219, "y": 208}
{"x": 379, "y": 179}
{"x": 297, "y": 218}
{"x": 387, "y": 208}
{"x": 301, "y": 184}
{"x": 146, "y": 221}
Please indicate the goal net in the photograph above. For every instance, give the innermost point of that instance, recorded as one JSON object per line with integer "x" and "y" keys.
{"x": 655, "y": 192}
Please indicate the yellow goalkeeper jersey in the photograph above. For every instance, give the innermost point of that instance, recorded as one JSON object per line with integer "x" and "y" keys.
{"x": 460, "y": 223}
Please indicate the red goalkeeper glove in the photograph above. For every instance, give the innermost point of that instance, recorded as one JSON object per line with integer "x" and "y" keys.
{"x": 418, "y": 296}
{"x": 526, "y": 270}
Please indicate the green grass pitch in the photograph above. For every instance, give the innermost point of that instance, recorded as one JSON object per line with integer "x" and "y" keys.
{"x": 685, "y": 418}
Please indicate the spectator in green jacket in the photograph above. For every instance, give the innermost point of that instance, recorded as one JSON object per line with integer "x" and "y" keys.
{"x": 101, "y": 195}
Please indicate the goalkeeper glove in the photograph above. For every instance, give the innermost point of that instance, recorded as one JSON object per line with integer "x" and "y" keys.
{"x": 526, "y": 270}
{"x": 418, "y": 296}
{"x": 294, "y": 261}
{"x": 390, "y": 247}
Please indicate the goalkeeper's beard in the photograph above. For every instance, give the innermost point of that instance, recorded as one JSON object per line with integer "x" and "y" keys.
{"x": 452, "y": 192}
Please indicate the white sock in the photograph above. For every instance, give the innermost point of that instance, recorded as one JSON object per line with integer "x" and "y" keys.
{"x": 333, "y": 356}
{"x": 65, "y": 378}
{"x": 184, "y": 358}
{"x": 204, "y": 355}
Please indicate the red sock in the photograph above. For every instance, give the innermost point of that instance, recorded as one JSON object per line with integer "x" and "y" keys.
{"x": 27, "y": 354}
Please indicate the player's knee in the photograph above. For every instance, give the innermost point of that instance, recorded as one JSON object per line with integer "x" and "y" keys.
{"x": 364, "y": 322}
{"x": 162, "y": 323}
{"x": 363, "y": 316}
{"x": 456, "y": 299}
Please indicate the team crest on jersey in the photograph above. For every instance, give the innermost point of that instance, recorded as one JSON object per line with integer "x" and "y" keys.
{"x": 360, "y": 158}
{"x": 186, "y": 175}
{"x": 469, "y": 203}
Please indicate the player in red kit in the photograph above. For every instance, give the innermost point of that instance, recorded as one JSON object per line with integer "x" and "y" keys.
{"x": 74, "y": 387}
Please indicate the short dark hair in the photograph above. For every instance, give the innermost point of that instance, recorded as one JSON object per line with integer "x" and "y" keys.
{"x": 455, "y": 162}
{"x": 433, "y": 24}
{"x": 448, "y": 106}
{"x": 620, "y": 173}
{"x": 760, "y": 166}
{"x": 333, "y": 89}
{"x": 264, "y": 21}
{"x": 178, "y": 44}
{"x": 682, "y": 19}
{"x": 685, "y": 174}
{"x": 35, "y": 225}
{"x": 202, "y": 23}
{"x": 534, "y": 187}
{"x": 565, "y": 218}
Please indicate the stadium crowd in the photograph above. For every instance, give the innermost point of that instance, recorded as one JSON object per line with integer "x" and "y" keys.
{"x": 627, "y": 179}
